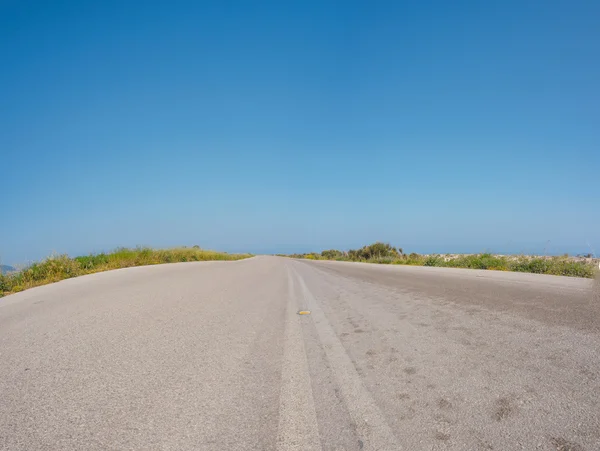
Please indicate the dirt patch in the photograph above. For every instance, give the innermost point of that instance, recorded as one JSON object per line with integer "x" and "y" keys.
{"x": 442, "y": 436}
{"x": 444, "y": 404}
{"x": 503, "y": 409}
{"x": 562, "y": 444}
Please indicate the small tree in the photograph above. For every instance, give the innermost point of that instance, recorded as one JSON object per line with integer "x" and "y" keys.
{"x": 375, "y": 250}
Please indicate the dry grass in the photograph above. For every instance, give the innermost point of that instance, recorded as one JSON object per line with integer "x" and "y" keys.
{"x": 61, "y": 267}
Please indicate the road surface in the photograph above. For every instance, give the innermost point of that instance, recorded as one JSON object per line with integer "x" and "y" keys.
{"x": 213, "y": 356}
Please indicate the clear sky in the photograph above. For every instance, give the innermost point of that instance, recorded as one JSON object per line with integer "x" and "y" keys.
{"x": 302, "y": 125}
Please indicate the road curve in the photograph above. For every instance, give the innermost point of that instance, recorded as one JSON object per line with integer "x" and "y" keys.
{"x": 213, "y": 356}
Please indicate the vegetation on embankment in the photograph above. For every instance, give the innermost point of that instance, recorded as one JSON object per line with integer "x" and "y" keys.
{"x": 386, "y": 254}
{"x": 61, "y": 267}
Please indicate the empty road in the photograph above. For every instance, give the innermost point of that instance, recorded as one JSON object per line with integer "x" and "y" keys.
{"x": 213, "y": 356}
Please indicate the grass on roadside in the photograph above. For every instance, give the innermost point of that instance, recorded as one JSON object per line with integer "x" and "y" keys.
{"x": 558, "y": 266}
{"x": 61, "y": 267}
{"x": 385, "y": 254}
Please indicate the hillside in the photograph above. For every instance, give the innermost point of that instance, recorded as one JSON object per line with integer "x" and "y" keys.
{"x": 6, "y": 269}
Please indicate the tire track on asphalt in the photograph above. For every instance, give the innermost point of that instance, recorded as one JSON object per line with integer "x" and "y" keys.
{"x": 298, "y": 428}
{"x": 370, "y": 423}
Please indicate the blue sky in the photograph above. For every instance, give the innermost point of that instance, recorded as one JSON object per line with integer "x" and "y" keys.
{"x": 291, "y": 126}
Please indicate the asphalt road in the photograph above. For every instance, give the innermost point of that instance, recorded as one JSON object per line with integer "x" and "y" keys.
{"x": 213, "y": 356}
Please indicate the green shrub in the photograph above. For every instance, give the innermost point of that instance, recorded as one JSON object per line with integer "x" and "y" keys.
{"x": 332, "y": 254}
{"x": 4, "y": 284}
{"x": 90, "y": 262}
{"x": 480, "y": 261}
{"x": 558, "y": 266}
{"x": 434, "y": 260}
{"x": 375, "y": 250}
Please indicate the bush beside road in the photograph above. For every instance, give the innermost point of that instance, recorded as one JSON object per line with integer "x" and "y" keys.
{"x": 384, "y": 253}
